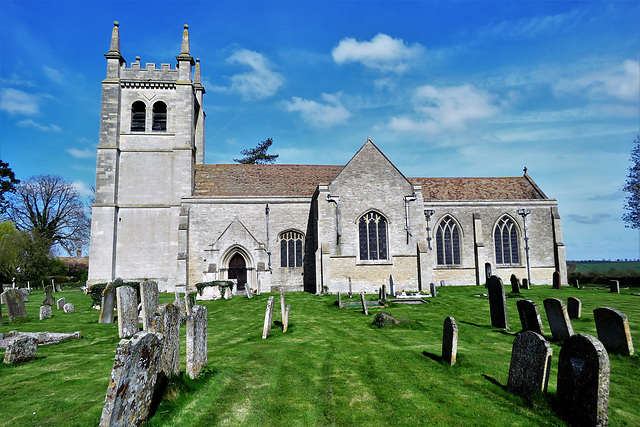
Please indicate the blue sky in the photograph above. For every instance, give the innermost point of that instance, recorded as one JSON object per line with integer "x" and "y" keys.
{"x": 469, "y": 88}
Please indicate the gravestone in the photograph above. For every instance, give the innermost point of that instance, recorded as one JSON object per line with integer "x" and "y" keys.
{"x": 285, "y": 324}
{"x": 574, "y": 308}
{"x": 249, "y": 291}
{"x": 283, "y": 304}
{"x": 383, "y": 319}
{"x": 432, "y": 288}
{"x": 21, "y": 349}
{"x": 167, "y": 322}
{"x": 149, "y": 301}
{"x": 515, "y": 284}
{"x": 487, "y": 270}
{"x": 259, "y": 288}
{"x": 614, "y": 287}
{"x": 133, "y": 381}
{"x": 497, "y": 303}
{"x": 577, "y": 284}
{"x": 196, "y": 340}
{"x": 558, "y": 318}
{"x": 25, "y": 294}
{"x": 339, "y": 300}
{"x": 364, "y": 304}
{"x": 179, "y": 302}
{"x": 350, "y": 289}
{"x": 268, "y": 317}
{"x": 384, "y": 292}
{"x": 108, "y": 302}
{"x": 45, "y": 312}
{"x": 450, "y": 341}
{"x": 227, "y": 293}
{"x": 15, "y": 305}
{"x": 613, "y": 330}
{"x": 127, "y": 302}
{"x": 530, "y": 365}
{"x": 48, "y": 296}
{"x": 189, "y": 301}
{"x": 392, "y": 291}
{"x": 529, "y": 316}
{"x": 443, "y": 282}
{"x": 69, "y": 308}
{"x": 60, "y": 303}
{"x": 556, "y": 280}
{"x": 525, "y": 284}
{"x": 582, "y": 394}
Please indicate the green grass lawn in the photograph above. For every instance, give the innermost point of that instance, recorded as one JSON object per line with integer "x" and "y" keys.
{"x": 331, "y": 368}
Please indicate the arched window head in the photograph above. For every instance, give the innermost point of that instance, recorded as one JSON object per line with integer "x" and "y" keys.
{"x": 138, "y": 116}
{"x": 505, "y": 238}
{"x": 291, "y": 249}
{"x": 159, "y": 117}
{"x": 372, "y": 230}
{"x": 448, "y": 242}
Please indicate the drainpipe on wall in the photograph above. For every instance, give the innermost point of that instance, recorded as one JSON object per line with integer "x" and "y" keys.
{"x": 336, "y": 200}
{"x": 427, "y": 215}
{"x": 266, "y": 214}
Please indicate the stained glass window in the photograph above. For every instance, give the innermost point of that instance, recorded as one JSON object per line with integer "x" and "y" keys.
{"x": 291, "y": 249}
{"x": 506, "y": 242}
{"x": 448, "y": 242}
{"x": 372, "y": 229}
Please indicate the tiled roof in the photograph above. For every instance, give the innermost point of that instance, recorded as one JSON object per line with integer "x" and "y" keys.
{"x": 238, "y": 180}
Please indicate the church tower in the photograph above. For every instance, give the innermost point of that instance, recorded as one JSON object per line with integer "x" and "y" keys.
{"x": 151, "y": 138}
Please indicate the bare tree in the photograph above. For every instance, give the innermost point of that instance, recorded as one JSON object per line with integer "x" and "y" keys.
{"x": 50, "y": 208}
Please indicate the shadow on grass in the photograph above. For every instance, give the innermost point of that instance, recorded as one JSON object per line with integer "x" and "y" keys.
{"x": 494, "y": 382}
{"x": 432, "y": 356}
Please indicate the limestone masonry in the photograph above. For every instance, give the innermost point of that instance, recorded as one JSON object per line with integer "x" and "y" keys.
{"x": 161, "y": 214}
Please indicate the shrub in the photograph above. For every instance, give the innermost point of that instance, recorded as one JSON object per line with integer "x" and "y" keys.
{"x": 95, "y": 291}
{"x": 222, "y": 283}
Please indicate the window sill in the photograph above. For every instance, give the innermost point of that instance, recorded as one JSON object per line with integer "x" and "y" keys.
{"x": 374, "y": 262}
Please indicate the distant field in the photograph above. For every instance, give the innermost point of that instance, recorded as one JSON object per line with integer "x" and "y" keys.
{"x": 602, "y": 272}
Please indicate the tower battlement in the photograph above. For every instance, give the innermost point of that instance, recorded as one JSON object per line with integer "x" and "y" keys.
{"x": 149, "y": 71}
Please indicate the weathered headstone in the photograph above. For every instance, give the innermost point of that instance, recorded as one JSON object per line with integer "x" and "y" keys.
{"x": 285, "y": 324}
{"x": 350, "y": 289}
{"x": 196, "y": 340}
{"x": 450, "y": 341}
{"x": 530, "y": 365}
{"x": 127, "y": 302}
{"x": 45, "y": 312}
{"x": 364, "y": 304}
{"x": 558, "y": 318}
{"x": 60, "y": 303}
{"x": 259, "y": 288}
{"x": 443, "y": 282}
{"x": 227, "y": 293}
{"x": 384, "y": 292}
{"x": 577, "y": 284}
{"x": 133, "y": 381}
{"x": 249, "y": 291}
{"x": 25, "y": 294}
{"x": 583, "y": 381}
{"x": 529, "y": 316}
{"x": 525, "y": 284}
{"x": 392, "y": 288}
{"x": 433, "y": 289}
{"x": 574, "y": 308}
{"x": 21, "y": 349}
{"x": 108, "y": 303}
{"x": 556, "y": 280}
{"x": 613, "y": 330}
{"x": 189, "y": 301}
{"x": 268, "y": 317}
{"x": 15, "y": 305}
{"x": 339, "y": 300}
{"x": 515, "y": 284}
{"x": 48, "y": 296}
{"x": 69, "y": 308}
{"x": 149, "y": 300}
{"x": 497, "y": 303}
{"x": 167, "y": 322}
{"x": 383, "y": 319}
{"x": 283, "y": 304}
{"x": 614, "y": 287}
{"x": 179, "y": 302}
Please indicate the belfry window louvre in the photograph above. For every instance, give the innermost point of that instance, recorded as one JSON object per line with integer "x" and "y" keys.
{"x": 291, "y": 249}
{"x": 159, "y": 117}
{"x": 506, "y": 241}
{"x": 372, "y": 230}
{"x": 138, "y": 116}
{"x": 448, "y": 242}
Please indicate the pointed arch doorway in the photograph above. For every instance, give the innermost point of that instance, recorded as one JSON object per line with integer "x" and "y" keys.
{"x": 238, "y": 270}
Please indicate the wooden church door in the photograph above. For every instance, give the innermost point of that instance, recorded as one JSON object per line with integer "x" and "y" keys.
{"x": 238, "y": 270}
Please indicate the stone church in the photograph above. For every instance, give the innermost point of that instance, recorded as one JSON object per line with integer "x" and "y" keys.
{"x": 160, "y": 213}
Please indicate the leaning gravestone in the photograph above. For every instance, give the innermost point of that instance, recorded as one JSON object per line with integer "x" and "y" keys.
{"x": 614, "y": 287}
{"x": 530, "y": 365}
{"x": 450, "y": 341}
{"x": 364, "y": 304}
{"x": 45, "y": 312}
{"x": 433, "y": 290}
{"x": 127, "y": 302}
{"x": 15, "y": 305}
{"x": 149, "y": 300}
{"x": 69, "y": 308}
{"x": 558, "y": 318}
{"x": 48, "y": 296}
{"x": 167, "y": 322}
{"x": 21, "y": 349}
{"x": 574, "y": 308}
{"x": 515, "y": 284}
{"x": 60, "y": 303}
{"x": 285, "y": 324}
{"x": 529, "y": 316}
{"x": 613, "y": 330}
{"x": 283, "y": 304}
{"x": 583, "y": 381}
{"x": 133, "y": 381}
{"x": 497, "y": 303}
{"x": 268, "y": 317}
{"x": 196, "y": 340}
{"x": 556, "y": 280}
{"x": 108, "y": 303}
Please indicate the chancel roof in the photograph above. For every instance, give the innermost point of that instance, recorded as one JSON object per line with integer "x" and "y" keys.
{"x": 240, "y": 180}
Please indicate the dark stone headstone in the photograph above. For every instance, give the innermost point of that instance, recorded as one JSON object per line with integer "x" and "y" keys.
{"x": 574, "y": 308}
{"x": 15, "y": 304}
{"x": 384, "y": 292}
{"x": 48, "y": 296}
{"x": 350, "y": 290}
{"x": 525, "y": 284}
{"x": 530, "y": 365}
{"x": 392, "y": 291}
{"x": 583, "y": 381}
{"x": 433, "y": 290}
{"x": 449, "y": 341}
{"x": 497, "y": 303}
{"x": 556, "y": 280}
{"x": 529, "y": 316}
{"x": 383, "y": 319}
{"x": 558, "y": 318}
{"x": 487, "y": 271}
{"x": 339, "y": 300}
{"x": 614, "y": 287}
{"x": 613, "y": 330}
{"x": 515, "y": 284}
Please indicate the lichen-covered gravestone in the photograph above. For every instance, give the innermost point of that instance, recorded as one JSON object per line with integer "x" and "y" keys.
{"x": 574, "y": 308}
{"x": 108, "y": 303}
{"x": 69, "y": 308}
{"x": 558, "y": 318}
{"x": 583, "y": 381}
{"x": 530, "y": 365}
{"x": 613, "y": 330}
{"x": 127, "y": 302}
{"x": 196, "y": 340}
{"x": 149, "y": 300}
{"x": 450, "y": 341}
{"x": 167, "y": 322}
{"x": 60, "y": 303}
{"x": 21, "y": 349}
{"x": 133, "y": 381}
{"x": 497, "y": 303}
{"x": 45, "y": 312}
{"x": 268, "y": 317}
{"x": 15, "y": 305}
{"x": 529, "y": 316}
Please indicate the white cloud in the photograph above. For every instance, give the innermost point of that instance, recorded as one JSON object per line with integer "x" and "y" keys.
{"x": 447, "y": 108}
{"x": 53, "y": 74}
{"x": 45, "y": 128}
{"x": 259, "y": 83}
{"x": 621, "y": 82}
{"x": 589, "y": 219}
{"x": 83, "y": 188}
{"x": 81, "y": 154}
{"x": 15, "y": 101}
{"x": 534, "y": 26}
{"x": 332, "y": 112}
{"x": 383, "y": 53}
{"x": 16, "y": 80}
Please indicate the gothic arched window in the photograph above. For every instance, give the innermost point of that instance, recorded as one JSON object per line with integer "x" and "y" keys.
{"x": 372, "y": 228}
{"x": 505, "y": 238}
{"x": 448, "y": 242}
{"x": 291, "y": 249}
{"x": 138, "y": 116}
{"x": 159, "y": 117}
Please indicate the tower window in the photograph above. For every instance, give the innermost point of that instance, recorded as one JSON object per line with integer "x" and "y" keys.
{"x": 138, "y": 115}
{"x": 159, "y": 117}
{"x": 291, "y": 249}
{"x": 372, "y": 229}
{"x": 448, "y": 242}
